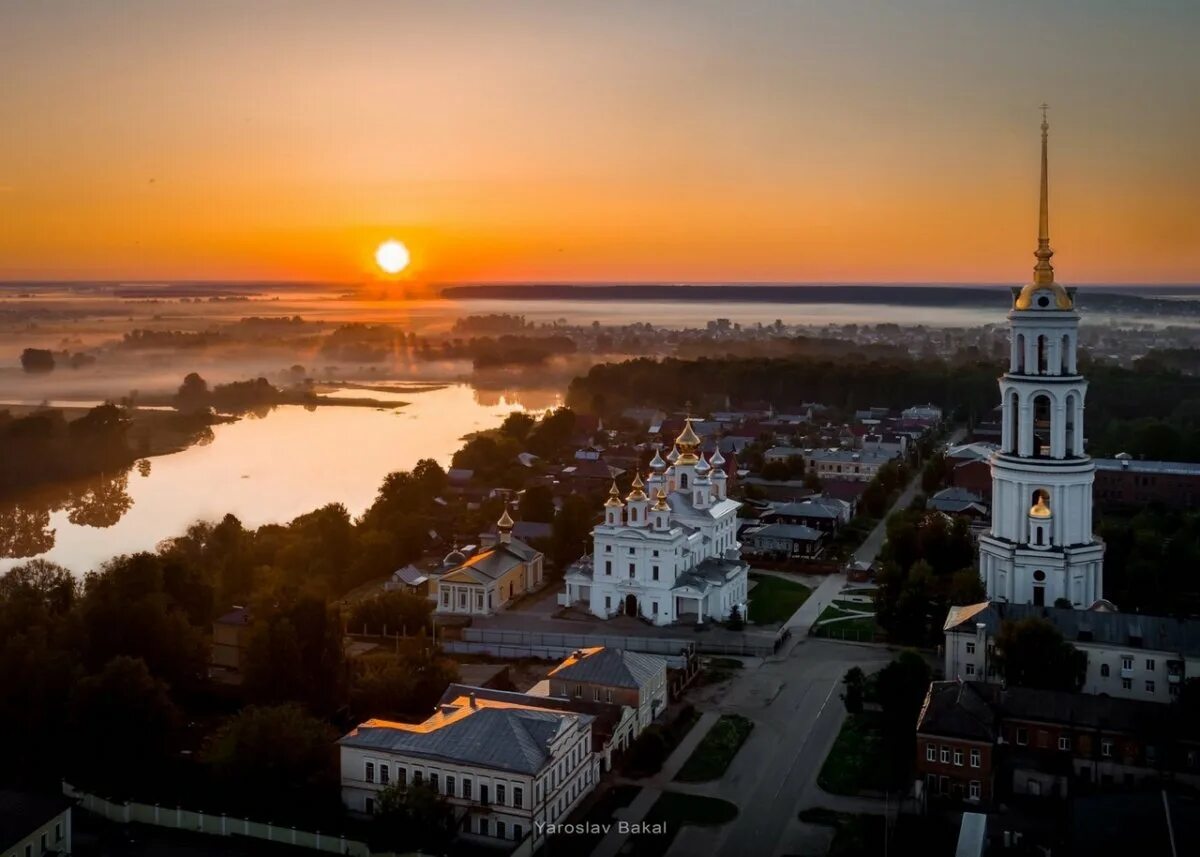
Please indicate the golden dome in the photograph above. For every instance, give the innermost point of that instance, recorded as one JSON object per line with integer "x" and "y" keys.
{"x": 614, "y": 496}
{"x": 1029, "y": 296}
{"x": 688, "y": 440}
{"x": 660, "y": 504}
{"x": 637, "y": 493}
{"x": 1040, "y": 509}
{"x": 506, "y": 521}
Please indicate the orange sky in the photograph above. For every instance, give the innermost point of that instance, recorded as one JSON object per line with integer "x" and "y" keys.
{"x": 676, "y": 141}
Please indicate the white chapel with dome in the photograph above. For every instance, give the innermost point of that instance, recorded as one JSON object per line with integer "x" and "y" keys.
{"x": 668, "y": 552}
{"x": 1041, "y": 547}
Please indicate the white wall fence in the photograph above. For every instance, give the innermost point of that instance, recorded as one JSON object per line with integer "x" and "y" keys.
{"x": 509, "y": 650}
{"x": 194, "y": 821}
{"x": 665, "y": 646}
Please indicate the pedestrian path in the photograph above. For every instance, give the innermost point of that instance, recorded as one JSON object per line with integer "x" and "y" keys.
{"x": 612, "y": 843}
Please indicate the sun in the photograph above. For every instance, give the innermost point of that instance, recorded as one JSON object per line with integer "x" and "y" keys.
{"x": 391, "y": 256}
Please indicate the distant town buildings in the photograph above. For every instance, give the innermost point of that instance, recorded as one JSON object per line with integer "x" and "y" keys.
{"x": 34, "y": 824}
{"x": 669, "y": 550}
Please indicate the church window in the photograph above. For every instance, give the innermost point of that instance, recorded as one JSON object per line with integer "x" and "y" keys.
{"x": 632, "y": 570}
{"x": 608, "y": 566}
{"x": 654, "y": 572}
{"x": 1039, "y": 575}
{"x": 654, "y": 610}
{"x": 633, "y": 514}
{"x": 683, "y": 480}
{"x": 655, "y": 554}
{"x": 631, "y": 551}
{"x": 1103, "y": 670}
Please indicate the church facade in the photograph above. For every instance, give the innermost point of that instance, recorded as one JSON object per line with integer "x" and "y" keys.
{"x": 1041, "y": 548}
{"x": 667, "y": 552}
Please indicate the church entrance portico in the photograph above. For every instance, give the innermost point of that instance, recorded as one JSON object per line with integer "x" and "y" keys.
{"x": 631, "y": 605}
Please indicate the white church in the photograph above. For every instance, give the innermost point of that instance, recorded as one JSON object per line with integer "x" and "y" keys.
{"x": 1041, "y": 547}
{"x": 668, "y": 552}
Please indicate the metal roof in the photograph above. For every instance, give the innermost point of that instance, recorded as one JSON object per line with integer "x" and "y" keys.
{"x": 611, "y": 667}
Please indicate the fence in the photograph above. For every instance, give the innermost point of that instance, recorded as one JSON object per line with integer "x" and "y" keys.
{"x": 513, "y": 650}
{"x": 214, "y": 825}
{"x": 745, "y": 646}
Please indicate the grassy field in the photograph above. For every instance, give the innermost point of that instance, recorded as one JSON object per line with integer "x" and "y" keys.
{"x": 773, "y": 600}
{"x": 854, "y": 762}
{"x": 859, "y": 628}
{"x": 715, "y": 753}
{"x": 677, "y": 810}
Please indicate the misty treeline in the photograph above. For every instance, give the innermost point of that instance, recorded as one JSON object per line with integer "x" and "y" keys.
{"x": 1150, "y": 411}
{"x": 45, "y": 447}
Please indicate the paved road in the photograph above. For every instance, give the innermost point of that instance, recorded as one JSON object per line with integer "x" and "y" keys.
{"x": 869, "y": 549}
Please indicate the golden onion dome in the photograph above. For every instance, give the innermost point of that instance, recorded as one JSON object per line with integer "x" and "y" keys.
{"x": 636, "y": 493}
{"x": 614, "y": 496}
{"x": 688, "y": 440}
{"x": 660, "y": 501}
{"x": 506, "y": 521}
{"x": 1043, "y": 296}
{"x": 1040, "y": 509}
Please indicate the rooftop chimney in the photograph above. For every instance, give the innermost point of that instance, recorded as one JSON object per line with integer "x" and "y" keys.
{"x": 474, "y": 702}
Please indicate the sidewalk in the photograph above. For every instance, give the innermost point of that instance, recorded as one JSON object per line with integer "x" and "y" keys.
{"x": 612, "y": 843}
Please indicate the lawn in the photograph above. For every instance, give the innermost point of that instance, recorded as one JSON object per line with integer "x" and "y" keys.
{"x": 677, "y": 810}
{"x": 854, "y": 834}
{"x": 855, "y": 762}
{"x": 859, "y": 628}
{"x": 773, "y": 600}
{"x": 600, "y": 812}
{"x": 716, "y": 751}
{"x": 646, "y": 755}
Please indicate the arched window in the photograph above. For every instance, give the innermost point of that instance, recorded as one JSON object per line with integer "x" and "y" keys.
{"x": 1020, "y": 364}
{"x": 633, "y": 514}
{"x": 1014, "y": 419}
{"x": 1066, "y": 354}
{"x": 1071, "y": 415}
{"x": 683, "y": 480}
{"x": 1042, "y": 355}
{"x": 1043, "y": 428}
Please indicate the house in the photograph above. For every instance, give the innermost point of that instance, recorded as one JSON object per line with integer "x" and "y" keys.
{"x": 34, "y": 824}
{"x": 488, "y": 580}
{"x": 614, "y": 676}
{"x": 782, "y": 541}
{"x": 819, "y": 511}
{"x": 229, "y": 634}
{"x": 857, "y": 465}
{"x": 1125, "y": 482}
{"x": 978, "y": 741}
{"x": 409, "y": 579}
{"x": 783, "y": 454}
{"x": 1129, "y": 655}
{"x": 889, "y": 442}
{"x": 930, "y": 413}
{"x": 506, "y": 767}
{"x": 958, "y": 501}
{"x": 614, "y": 726}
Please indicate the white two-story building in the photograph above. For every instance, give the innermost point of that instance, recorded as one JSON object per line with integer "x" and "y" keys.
{"x": 506, "y": 767}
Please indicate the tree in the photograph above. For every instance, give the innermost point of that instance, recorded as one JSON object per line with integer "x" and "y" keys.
{"x": 37, "y": 360}
{"x": 415, "y": 816}
{"x": 275, "y": 761}
{"x": 294, "y": 654}
{"x": 517, "y": 425}
{"x": 49, "y": 586}
{"x": 736, "y": 622}
{"x": 1033, "y": 653}
{"x": 122, "y": 727}
{"x": 193, "y": 394}
{"x": 855, "y": 682}
{"x": 401, "y": 685}
{"x": 537, "y": 504}
{"x": 901, "y": 688}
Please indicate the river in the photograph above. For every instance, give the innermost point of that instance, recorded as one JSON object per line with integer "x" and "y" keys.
{"x": 263, "y": 470}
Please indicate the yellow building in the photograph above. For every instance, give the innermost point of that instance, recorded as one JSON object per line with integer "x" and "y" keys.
{"x": 488, "y": 580}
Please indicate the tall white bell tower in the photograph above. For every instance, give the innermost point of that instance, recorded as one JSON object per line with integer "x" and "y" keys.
{"x": 1041, "y": 546}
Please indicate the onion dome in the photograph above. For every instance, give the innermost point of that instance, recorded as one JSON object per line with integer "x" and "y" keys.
{"x": 636, "y": 492}
{"x": 657, "y": 463}
{"x": 660, "y": 501}
{"x": 673, "y": 455}
{"x": 506, "y": 521}
{"x": 702, "y": 466}
{"x": 716, "y": 459}
{"x": 1040, "y": 509}
{"x": 614, "y": 496}
{"x": 688, "y": 443}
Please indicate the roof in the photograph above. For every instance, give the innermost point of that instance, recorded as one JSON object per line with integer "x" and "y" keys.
{"x": 816, "y": 506}
{"x": 788, "y": 451}
{"x": 491, "y": 564}
{"x": 410, "y": 575}
{"x": 795, "y": 532}
{"x": 959, "y": 709}
{"x": 606, "y": 714}
{"x": 972, "y": 451}
{"x": 859, "y": 456}
{"x": 509, "y": 736}
{"x": 236, "y": 616}
{"x": 1159, "y": 468}
{"x": 21, "y": 813}
{"x": 956, "y": 500}
{"x": 611, "y": 667}
{"x": 1094, "y": 625}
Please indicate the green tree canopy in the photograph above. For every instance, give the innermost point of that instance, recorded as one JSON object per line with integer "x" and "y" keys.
{"x": 1033, "y": 653}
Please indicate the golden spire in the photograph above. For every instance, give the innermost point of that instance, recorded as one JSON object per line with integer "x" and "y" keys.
{"x": 614, "y": 496}
{"x": 1043, "y": 271}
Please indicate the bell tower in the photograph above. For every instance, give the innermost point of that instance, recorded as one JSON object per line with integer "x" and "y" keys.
{"x": 1041, "y": 547}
